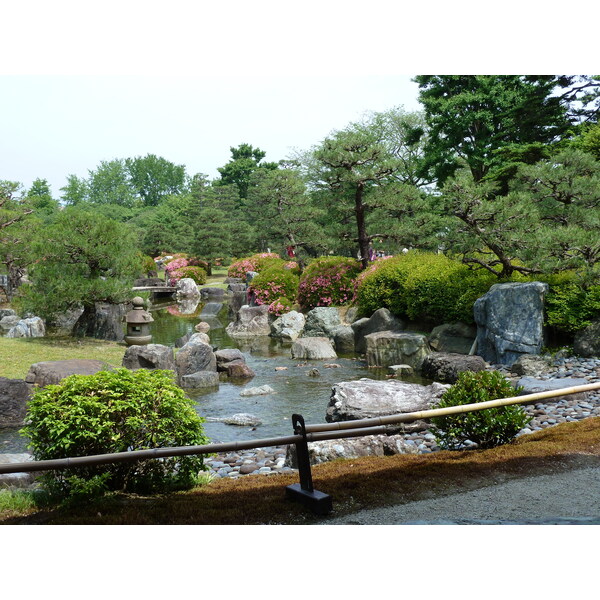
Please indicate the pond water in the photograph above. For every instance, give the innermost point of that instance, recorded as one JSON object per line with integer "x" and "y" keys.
{"x": 294, "y": 390}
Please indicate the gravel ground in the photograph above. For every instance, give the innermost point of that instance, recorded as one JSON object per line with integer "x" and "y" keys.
{"x": 568, "y": 498}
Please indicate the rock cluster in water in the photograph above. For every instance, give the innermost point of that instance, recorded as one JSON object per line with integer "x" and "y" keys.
{"x": 545, "y": 414}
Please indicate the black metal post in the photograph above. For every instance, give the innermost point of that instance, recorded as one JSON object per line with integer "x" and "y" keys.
{"x": 304, "y": 491}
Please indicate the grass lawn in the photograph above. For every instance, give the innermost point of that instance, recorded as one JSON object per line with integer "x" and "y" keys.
{"x": 354, "y": 484}
{"x": 18, "y": 354}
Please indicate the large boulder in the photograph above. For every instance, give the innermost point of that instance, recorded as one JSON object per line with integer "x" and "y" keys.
{"x": 288, "y": 326}
{"x": 237, "y": 300}
{"x": 52, "y": 372}
{"x": 186, "y": 288}
{"x": 313, "y": 348}
{"x": 7, "y": 322}
{"x": 103, "y": 321}
{"x": 63, "y": 323}
{"x": 150, "y": 356}
{"x": 587, "y": 341}
{"x": 343, "y": 339}
{"x": 386, "y": 348}
{"x": 26, "y": 328}
{"x": 250, "y": 321}
{"x": 456, "y": 338}
{"x": 510, "y": 319}
{"x": 232, "y": 363}
{"x": 195, "y": 356}
{"x": 446, "y": 366}
{"x": 368, "y": 445}
{"x": 321, "y": 321}
{"x": 532, "y": 385}
{"x": 215, "y": 294}
{"x": 200, "y": 380}
{"x": 14, "y": 394}
{"x": 532, "y": 364}
{"x": 380, "y": 320}
{"x": 368, "y": 398}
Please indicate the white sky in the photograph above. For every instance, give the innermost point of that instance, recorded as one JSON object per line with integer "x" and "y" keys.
{"x": 82, "y": 82}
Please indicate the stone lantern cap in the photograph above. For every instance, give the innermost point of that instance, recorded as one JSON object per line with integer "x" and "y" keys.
{"x": 138, "y": 314}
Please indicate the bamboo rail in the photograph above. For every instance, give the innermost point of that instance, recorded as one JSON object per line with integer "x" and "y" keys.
{"x": 312, "y": 433}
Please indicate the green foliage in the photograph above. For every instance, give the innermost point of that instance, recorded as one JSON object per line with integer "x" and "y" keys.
{"x": 115, "y": 411}
{"x": 274, "y": 282}
{"x": 571, "y": 306}
{"x": 422, "y": 286}
{"x": 487, "y": 428}
{"x": 255, "y": 263}
{"x": 328, "y": 281}
{"x": 198, "y": 274}
{"x": 81, "y": 258}
{"x": 280, "y": 306}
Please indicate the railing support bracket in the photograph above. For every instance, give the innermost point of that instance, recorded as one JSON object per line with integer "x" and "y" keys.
{"x": 304, "y": 491}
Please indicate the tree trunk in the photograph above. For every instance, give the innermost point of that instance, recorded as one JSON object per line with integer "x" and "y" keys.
{"x": 363, "y": 238}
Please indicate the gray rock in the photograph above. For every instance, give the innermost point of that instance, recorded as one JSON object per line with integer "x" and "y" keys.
{"x": 237, "y": 369}
{"x": 531, "y": 385}
{"x": 250, "y": 275}
{"x": 531, "y": 364}
{"x": 240, "y": 419}
{"x": 7, "y": 312}
{"x": 200, "y": 380}
{"x": 456, "y": 338}
{"x": 187, "y": 288}
{"x": 369, "y": 445}
{"x": 150, "y": 356}
{"x": 262, "y": 390}
{"x": 52, "y": 372}
{"x": 9, "y": 321}
{"x": 103, "y": 321}
{"x": 343, "y": 339}
{"x": 289, "y": 326}
{"x": 27, "y": 328}
{"x": 237, "y": 300}
{"x": 380, "y": 320}
{"x": 386, "y": 348}
{"x": 14, "y": 394}
{"x": 321, "y": 321}
{"x": 367, "y": 398}
{"x": 250, "y": 321}
{"x": 64, "y": 323}
{"x": 587, "y": 341}
{"x": 228, "y": 355}
{"x": 313, "y": 348}
{"x": 214, "y": 293}
{"x": 446, "y": 366}
{"x": 401, "y": 370}
{"x": 195, "y": 356}
{"x": 237, "y": 287}
{"x": 202, "y": 327}
{"x": 510, "y": 321}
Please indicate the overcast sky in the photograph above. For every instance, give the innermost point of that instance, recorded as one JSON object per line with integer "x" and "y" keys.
{"x": 83, "y": 82}
{"x": 61, "y": 125}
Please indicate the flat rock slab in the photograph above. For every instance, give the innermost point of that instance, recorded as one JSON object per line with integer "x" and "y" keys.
{"x": 531, "y": 385}
{"x": 239, "y": 419}
{"x": 262, "y": 390}
{"x": 445, "y": 367}
{"x": 53, "y": 372}
{"x": 313, "y": 348}
{"x": 368, "y": 398}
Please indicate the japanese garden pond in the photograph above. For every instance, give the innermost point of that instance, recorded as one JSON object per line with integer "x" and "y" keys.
{"x": 295, "y": 391}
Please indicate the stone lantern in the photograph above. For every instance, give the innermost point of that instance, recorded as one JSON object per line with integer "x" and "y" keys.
{"x": 138, "y": 324}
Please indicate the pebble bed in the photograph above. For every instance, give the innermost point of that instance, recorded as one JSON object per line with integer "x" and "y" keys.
{"x": 268, "y": 461}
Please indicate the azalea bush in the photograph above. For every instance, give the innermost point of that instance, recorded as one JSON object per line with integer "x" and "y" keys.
{"x": 255, "y": 263}
{"x": 198, "y": 274}
{"x": 115, "y": 411}
{"x": 487, "y": 428}
{"x": 328, "y": 281}
{"x": 275, "y": 282}
{"x": 280, "y": 306}
{"x": 422, "y": 286}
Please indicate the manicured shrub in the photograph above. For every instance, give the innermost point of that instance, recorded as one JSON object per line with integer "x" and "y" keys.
{"x": 274, "y": 282}
{"x": 198, "y": 274}
{"x": 256, "y": 263}
{"x": 280, "y": 306}
{"x": 571, "y": 307}
{"x": 198, "y": 262}
{"x": 487, "y": 428}
{"x": 328, "y": 281}
{"x": 115, "y": 411}
{"x": 422, "y": 286}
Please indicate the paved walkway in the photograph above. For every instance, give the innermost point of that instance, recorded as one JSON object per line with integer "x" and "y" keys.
{"x": 569, "y": 498}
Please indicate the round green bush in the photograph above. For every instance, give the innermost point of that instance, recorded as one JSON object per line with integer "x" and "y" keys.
{"x": 198, "y": 274}
{"x": 328, "y": 281}
{"x": 255, "y": 263}
{"x": 422, "y": 286}
{"x": 280, "y": 306}
{"x": 274, "y": 282}
{"x": 116, "y": 411}
{"x": 487, "y": 428}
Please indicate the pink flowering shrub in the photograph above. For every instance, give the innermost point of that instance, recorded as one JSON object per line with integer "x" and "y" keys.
{"x": 273, "y": 283}
{"x": 280, "y": 306}
{"x": 256, "y": 263}
{"x": 328, "y": 281}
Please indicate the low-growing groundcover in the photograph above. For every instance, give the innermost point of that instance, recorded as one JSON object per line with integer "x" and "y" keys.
{"x": 115, "y": 411}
